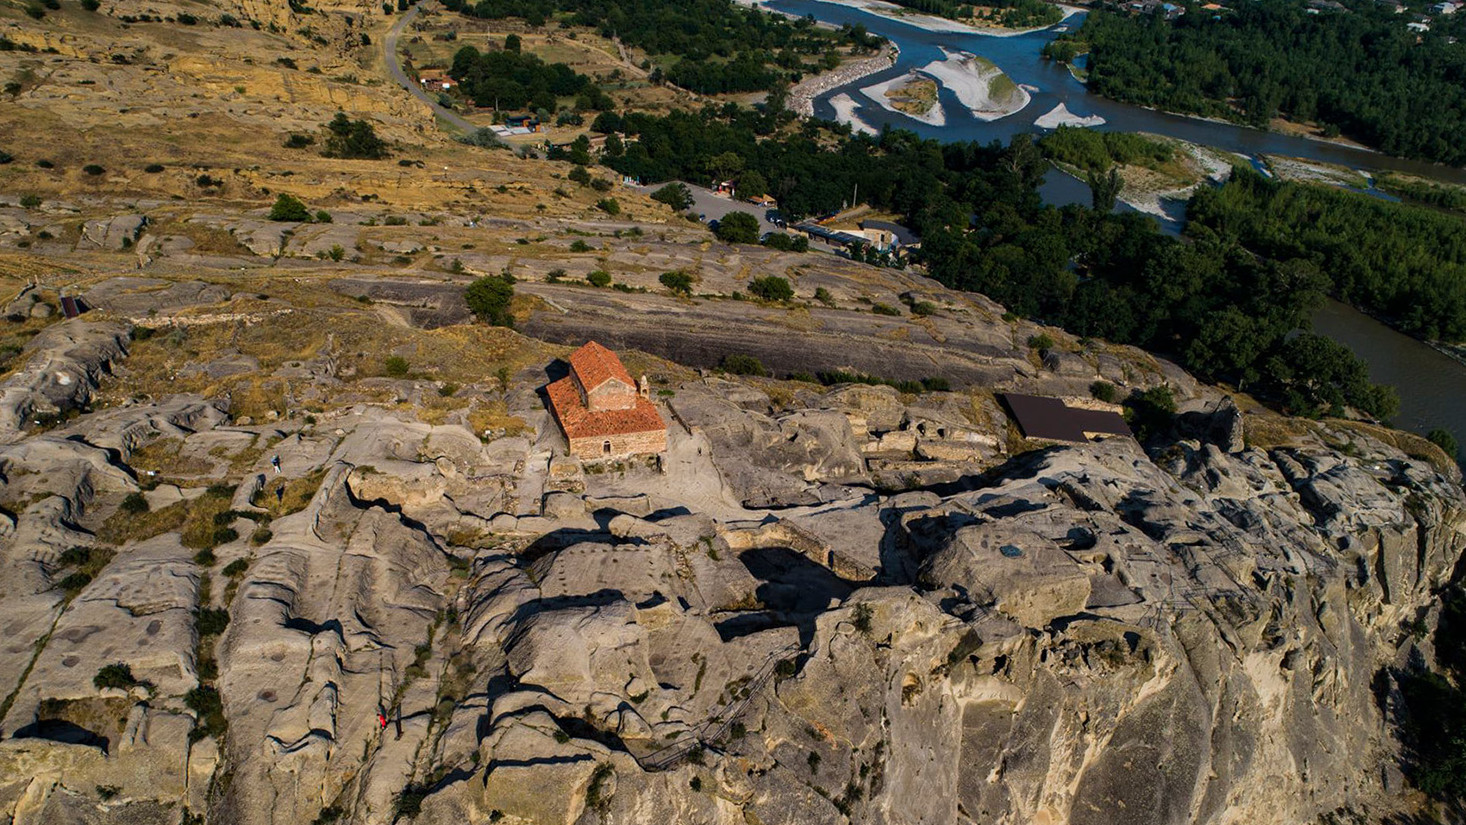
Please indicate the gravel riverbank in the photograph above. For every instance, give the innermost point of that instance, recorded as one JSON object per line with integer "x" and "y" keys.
{"x": 803, "y": 93}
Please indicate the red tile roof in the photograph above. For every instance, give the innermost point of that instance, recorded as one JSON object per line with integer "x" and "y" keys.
{"x": 579, "y": 422}
{"x": 595, "y": 365}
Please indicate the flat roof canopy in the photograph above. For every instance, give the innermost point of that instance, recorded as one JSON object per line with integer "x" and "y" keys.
{"x": 1050, "y": 418}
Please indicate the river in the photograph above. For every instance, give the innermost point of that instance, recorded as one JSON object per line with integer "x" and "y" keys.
{"x": 1020, "y": 57}
{"x": 1432, "y": 386}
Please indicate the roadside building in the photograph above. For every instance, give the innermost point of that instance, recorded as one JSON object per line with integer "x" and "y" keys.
{"x": 602, "y": 411}
{"x": 435, "y": 80}
{"x": 889, "y": 237}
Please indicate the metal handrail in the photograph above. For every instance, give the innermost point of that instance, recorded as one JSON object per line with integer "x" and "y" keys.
{"x": 718, "y": 725}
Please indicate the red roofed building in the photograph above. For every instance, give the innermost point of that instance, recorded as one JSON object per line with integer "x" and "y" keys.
{"x": 601, "y": 410}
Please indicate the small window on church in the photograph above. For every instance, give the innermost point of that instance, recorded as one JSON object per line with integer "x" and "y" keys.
{"x": 606, "y": 448}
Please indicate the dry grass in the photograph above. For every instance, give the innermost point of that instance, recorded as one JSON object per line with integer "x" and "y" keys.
{"x": 1267, "y": 431}
{"x": 353, "y": 336}
{"x": 1408, "y": 443}
{"x": 104, "y": 717}
{"x": 492, "y": 415}
{"x": 195, "y": 521}
{"x": 298, "y": 493}
{"x": 165, "y": 459}
{"x": 123, "y": 528}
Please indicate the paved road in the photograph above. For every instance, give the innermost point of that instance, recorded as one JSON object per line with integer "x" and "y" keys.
{"x": 713, "y": 207}
{"x": 394, "y": 67}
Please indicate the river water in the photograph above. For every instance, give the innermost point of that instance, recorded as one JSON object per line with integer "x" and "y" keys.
{"x": 1432, "y": 386}
{"x": 1020, "y": 58}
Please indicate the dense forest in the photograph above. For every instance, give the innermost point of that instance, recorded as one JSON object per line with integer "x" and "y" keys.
{"x": 1018, "y": 14}
{"x": 1222, "y": 311}
{"x": 1404, "y": 263}
{"x": 507, "y": 79}
{"x": 718, "y": 47}
{"x": 1358, "y": 72}
{"x": 1094, "y": 151}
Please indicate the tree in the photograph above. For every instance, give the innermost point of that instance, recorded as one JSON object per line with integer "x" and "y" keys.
{"x": 725, "y": 165}
{"x": 489, "y": 297}
{"x": 580, "y": 151}
{"x": 751, "y": 184}
{"x": 771, "y": 288}
{"x": 512, "y": 43}
{"x": 354, "y": 139}
{"x": 738, "y": 227}
{"x": 289, "y": 208}
{"x": 606, "y": 123}
{"x": 1104, "y": 190}
{"x": 675, "y": 195}
{"x": 1442, "y": 438}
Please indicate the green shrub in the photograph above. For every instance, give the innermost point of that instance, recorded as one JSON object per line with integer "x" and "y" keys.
{"x": 679, "y": 282}
{"x": 599, "y": 278}
{"x": 1442, "y": 438}
{"x": 823, "y": 296}
{"x": 923, "y": 309}
{"x": 1041, "y": 342}
{"x": 296, "y": 141}
{"x": 579, "y": 246}
{"x": 30, "y": 201}
{"x": 134, "y": 504}
{"x": 205, "y": 702}
{"x": 238, "y": 567}
{"x": 74, "y": 582}
{"x": 739, "y": 364}
{"x": 118, "y": 675}
{"x": 205, "y": 557}
{"x": 1150, "y": 412}
{"x": 395, "y": 366}
{"x": 489, "y": 297}
{"x": 580, "y": 175}
{"x": 93, "y": 169}
{"x": 153, "y": 168}
{"x": 211, "y": 621}
{"x": 1103, "y": 391}
{"x": 322, "y": 216}
{"x": 771, "y": 288}
{"x": 884, "y": 309}
{"x": 609, "y": 206}
{"x": 91, "y": 5}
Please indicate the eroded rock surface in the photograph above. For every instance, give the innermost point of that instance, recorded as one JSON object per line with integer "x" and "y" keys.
{"x": 840, "y": 604}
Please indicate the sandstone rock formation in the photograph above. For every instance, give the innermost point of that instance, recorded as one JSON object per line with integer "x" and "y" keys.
{"x": 425, "y": 622}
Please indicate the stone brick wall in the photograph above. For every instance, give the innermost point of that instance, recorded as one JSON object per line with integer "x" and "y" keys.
{"x": 612, "y": 395}
{"x": 621, "y": 445}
